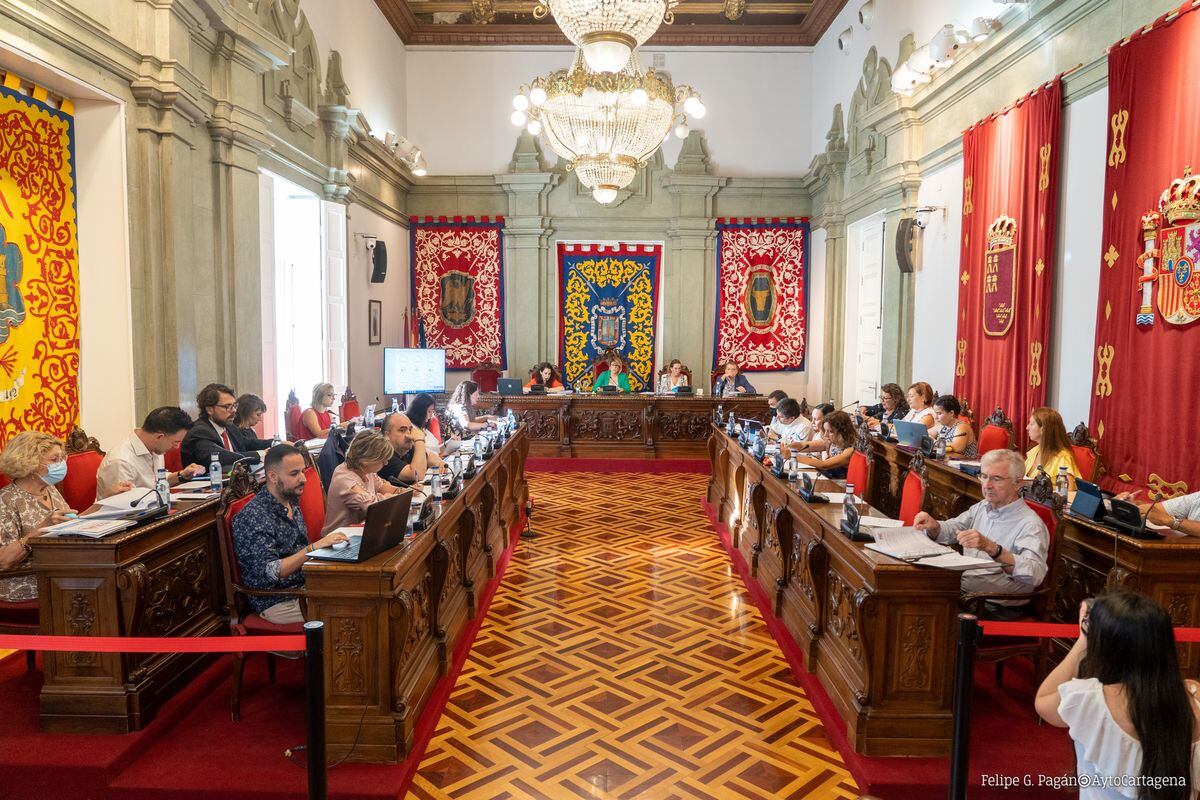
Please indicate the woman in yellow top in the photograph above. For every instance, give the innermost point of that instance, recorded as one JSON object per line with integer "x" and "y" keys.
{"x": 1052, "y": 447}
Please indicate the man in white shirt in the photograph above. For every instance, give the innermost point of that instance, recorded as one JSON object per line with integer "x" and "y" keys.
{"x": 788, "y": 425}
{"x": 1180, "y": 514}
{"x": 134, "y": 463}
{"x": 1000, "y": 527}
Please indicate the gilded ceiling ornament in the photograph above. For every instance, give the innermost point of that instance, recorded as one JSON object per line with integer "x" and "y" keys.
{"x": 483, "y": 11}
{"x": 734, "y": 9}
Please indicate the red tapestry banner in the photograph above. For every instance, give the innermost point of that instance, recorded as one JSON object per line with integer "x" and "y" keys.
{"x": 1147, "y": 357}
{"x": 1006, "y": 267}
{"x": 458, "y": 288}
{"x": 39, "y": 263}
{"x": 762, "y": 293}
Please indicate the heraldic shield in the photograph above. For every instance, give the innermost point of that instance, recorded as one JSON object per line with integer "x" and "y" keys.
{"x": 1171, "y": 266}
{"x": 760, "y": 300}
{"x": 12, "y": 305}
{"x": 1000, "y": 276}
{"x": 608, "y": 326}
{"x": 457, "y": 299}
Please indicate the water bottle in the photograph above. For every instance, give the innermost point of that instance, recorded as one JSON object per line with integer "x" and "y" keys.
{"x": 1061, "y": 484}
{"x": 720, "y": 414}
{"x": 939, "y": 449}
{"x": 395, "y": 405}
{"x": 436, "y": 484}
{"x": 276, "y": 440}
{"x": 214, "y": 473}
{"x": 793, "y": 475}
{"x": 848, "y": 502}
{"x": 478, "y": 446}
{"x": 512, "y": 420}
{"x": 163, "y": 488}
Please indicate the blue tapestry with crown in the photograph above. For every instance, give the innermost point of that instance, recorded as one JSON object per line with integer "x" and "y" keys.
{"x": 609, "y": 304}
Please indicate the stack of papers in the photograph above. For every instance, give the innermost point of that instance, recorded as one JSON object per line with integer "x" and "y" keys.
{"x": 915, "y": 547}
{"x": 880, "y": 522}
{"x": 89, "y": 527}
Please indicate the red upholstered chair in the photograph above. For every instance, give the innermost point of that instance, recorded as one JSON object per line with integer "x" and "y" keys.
{"x": 859, "y": 472}
{"x": 996, "y": 433}
{"x": 602, "y": 361}
{"x": 312, "y": 501}
{"x": 349, "y": 409}
{"x": 83, "y": 461}
{"x": 292, "y": 423}
{"x": 912, "y": 493}
{"x": 486, "y": 375}
{"x": 435, "y": 427}
{"x": 242, "y": 621}
{"x": 20, "y": 618}
{"x": 1087, "y": 453}
{"x": 173, "y": 459}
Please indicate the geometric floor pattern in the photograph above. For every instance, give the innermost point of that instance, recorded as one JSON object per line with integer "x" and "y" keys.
{"x": 623, "y": 658}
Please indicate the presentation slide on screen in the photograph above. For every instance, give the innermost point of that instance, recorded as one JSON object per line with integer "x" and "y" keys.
{"x": 408, "y": 371}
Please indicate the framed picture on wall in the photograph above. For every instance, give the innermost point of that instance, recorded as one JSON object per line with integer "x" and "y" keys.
{"x": 375, "y": 322}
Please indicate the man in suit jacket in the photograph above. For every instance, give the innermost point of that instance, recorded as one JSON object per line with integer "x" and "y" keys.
{"x": 732, "y": 383}
{"x": 214, "y": 432}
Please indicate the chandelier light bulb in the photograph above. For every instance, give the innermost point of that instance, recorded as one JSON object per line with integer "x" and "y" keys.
{"x": 694, "y": 107}
{"x": 534, "y": 127}
{"x": 591, "y": 95}
{"x": 682, "y": 130}
{"x": 604, "y": 194}
{"x": 639, "y": 98}
{"x": 606, "y": 52}
{"x": 518, "y": 118}
{"x": 521, "y": 103}
{"x": 537, "y": 95}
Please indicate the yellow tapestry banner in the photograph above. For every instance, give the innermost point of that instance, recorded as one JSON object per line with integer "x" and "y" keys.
{"x": 39, "y": 265}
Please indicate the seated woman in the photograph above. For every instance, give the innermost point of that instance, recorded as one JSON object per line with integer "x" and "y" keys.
{"x": 546, "y": 375}
{"x": 250, "y": 410}
{"x": 421, "y": 412}
{"x": 613, "y": 376}
{"x": 673, "y": 378}
{"x": 318, "y": 419}
{"x": 355, "y": 483}
{"x": 1052, "y": 447}
{"x": 35, "y": 462}
{"x": 920, "y": 408}
{"x": 462, "y": 405}
{"x": 953, "y": 430}
{"x": 891, "y": 406}
{"x": 815, "y": 444}
{"x": 732, "y": 383}
{"x": 839, "y": 434}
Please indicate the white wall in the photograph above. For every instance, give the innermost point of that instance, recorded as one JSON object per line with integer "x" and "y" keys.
{"x": 461, "y": 100}
{"x": 366, "y": 361}
{"x": 373, "y": 58}
{"x": 935, "y": 324}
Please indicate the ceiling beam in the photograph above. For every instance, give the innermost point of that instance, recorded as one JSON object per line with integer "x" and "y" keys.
{"x": 699, "y": 7}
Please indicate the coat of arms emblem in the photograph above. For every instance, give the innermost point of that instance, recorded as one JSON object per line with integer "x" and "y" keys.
{"x": 12, "y": 305}
{"x": 759, "y": 300}
{"x": 1172, "y": 237}
{"x": 458, "y": 299}
{"x": 1000, "y": 276}
{"x": 608, "y": 325}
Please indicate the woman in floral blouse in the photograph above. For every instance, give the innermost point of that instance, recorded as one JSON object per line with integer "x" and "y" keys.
{"x": 35, "y": 462}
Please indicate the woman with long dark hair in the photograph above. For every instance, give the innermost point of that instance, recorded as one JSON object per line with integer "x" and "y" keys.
{"x": 422, "y": 410}
{"x": 1133, "y": 717}
{"x": 462, "y": 405}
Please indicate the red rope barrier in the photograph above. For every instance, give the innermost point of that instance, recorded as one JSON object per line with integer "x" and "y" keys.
{"x": 1047, "y": 630}
{"x": 135, "y": 644}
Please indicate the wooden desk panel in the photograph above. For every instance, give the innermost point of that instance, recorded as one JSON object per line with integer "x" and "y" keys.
{"x": 393, "y": 621}
{"x": 876, "y": 631}
{"x": 164, "y": 578}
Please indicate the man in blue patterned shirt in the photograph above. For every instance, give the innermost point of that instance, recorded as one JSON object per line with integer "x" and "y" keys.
{"x": 270, "y": 539}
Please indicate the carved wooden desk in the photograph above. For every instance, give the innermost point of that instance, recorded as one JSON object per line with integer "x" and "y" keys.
{"x": 163, "y": 578}
{"x": 392, "y": 622}
{"x": 879, "y": 633}
{"x": 622, "y": 425}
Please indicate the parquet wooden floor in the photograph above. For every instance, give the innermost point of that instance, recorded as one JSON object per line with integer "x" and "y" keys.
{"x": 623, "y": 658}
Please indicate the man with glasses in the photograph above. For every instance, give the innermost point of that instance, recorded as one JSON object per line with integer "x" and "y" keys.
{"x": 1000, "y": 527}
{"x": 214, "y": 432}
{"x": 407, "y": 465}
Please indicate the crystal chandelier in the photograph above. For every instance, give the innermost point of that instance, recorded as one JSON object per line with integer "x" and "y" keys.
{"x": 606, "y": 125}
{"x": 607, "y": 30}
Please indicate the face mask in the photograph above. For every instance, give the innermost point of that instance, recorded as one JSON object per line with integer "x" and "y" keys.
{"x": 55, "y": 472}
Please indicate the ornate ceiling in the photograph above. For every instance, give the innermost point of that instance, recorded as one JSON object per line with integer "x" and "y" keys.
{"x": 697, "y": 22}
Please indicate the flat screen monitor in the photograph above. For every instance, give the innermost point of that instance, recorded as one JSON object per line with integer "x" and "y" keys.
{"x": 410, "y": 370}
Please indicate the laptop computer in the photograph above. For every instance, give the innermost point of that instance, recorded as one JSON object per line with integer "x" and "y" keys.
{"x": 509, "y": 386}
{"x": 387, "y": 522}
{"x": 909, "y": 434}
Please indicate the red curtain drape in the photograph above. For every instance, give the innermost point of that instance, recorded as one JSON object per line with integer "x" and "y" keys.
{"x": 1147, "y": 366}
{"x": 1010, "y": 207}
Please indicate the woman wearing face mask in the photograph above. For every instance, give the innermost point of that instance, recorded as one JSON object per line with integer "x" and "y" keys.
{"x": 35, "y": 462}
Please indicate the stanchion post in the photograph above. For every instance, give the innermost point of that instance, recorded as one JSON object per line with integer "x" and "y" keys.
{"x": 314, "y": 701}
{"x": 964, "y": 683}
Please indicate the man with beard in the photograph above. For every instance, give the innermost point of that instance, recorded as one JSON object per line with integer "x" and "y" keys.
{"x": 407, "y": 465}
{"x": 270, "y": 539}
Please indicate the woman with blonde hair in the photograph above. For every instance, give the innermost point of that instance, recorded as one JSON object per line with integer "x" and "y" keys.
{"x": 613, "y": 376}
{"x": 317, "y": 418}
{"x": 1052, "y": 448}
{"x": 36, "y": 463}
{"x": 356, "y": 484}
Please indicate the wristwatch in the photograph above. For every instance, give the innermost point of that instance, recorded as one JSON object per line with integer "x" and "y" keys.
{"x": 1176, "y": 523}
{"x": 999, "y": 550}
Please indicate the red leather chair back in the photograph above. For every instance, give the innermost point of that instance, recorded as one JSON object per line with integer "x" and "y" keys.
{"x": 295, "y": 428}
{"x": 993, "y": 437}
{"x": 350, "y": 410}
{"x": 858, "y": 473}
{"x": 173, "y": 459}
{"x": 1048, "y": 517}
{"x": 4, "y": 480}
{"x": 486, "y": 378}
{"x": 1085, "y": 459}
{"x": 235, "y": 571}
{"x": 79, "y": 487}
{"x": 912, "y": 496}
{"x": 435, "y": 427}
{"x": 312, "y": 504}
{"x": 598, "y": 367}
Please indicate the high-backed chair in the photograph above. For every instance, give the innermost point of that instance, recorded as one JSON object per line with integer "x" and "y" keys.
{"x": 912, "y": 492}
{"x": 715, "y": 376}
{"x": 312, "y": 500}
{"x": 858, "y": 471}
{"x": 686, "y": 370}
{"x": 20, "y": 617}
{"x": 1087, "y": 453}
{"x": 173, "y": 459}
{"x": 242, "y": 621}
{"x": 83, "y": 462}
{"x": 292, "y": 418}
{"x": 996, "y": 433}
{"x": 349, "y": 409}
{"x": 601, "y": 362}
{"x": 486, "y": 375}
{"x": 435, "y": 427}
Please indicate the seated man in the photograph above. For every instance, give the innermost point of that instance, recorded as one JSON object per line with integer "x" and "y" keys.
{"x": 270, "y": 539}
{"x": 135, "y": 462}
{"x": 788, "y": 426}
{"x": 1000, "y": 527}
{"x": 1180, "y": 514}
{"x": 409, "y": 460}
{"x": 732, "y": 383}
{"x": 774, "y": 397}
{"x": 214, "y": 432}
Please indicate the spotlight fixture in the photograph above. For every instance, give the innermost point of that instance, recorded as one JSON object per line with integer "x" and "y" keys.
{"x": 844, "y": 40}
{"x": 943, "y": 47}
{"x": 866, "y": 14}
{"x": 982, "y": 28}
{"x": 408, "y": 153}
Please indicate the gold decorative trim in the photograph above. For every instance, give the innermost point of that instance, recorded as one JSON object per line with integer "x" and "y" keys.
{"x": 1035, "y": 366}
{"x": 1044, "y": 170}
{"x": 1104, "y": 359}
{"x": 960, "y": 368}
{"x": 1165, "y": 489}
{"x": 1111, "y": 256}
{"x": 1117, "y": 153}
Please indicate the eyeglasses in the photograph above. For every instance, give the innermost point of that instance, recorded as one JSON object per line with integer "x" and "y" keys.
{"x": 227, "y": 406}
{"x": 985, "y": 478}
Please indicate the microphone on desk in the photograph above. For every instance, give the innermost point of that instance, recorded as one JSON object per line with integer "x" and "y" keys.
{"x": 134, "y": 503}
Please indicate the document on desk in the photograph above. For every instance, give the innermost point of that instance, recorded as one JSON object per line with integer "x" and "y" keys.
{"x": 134, "y": 498}
{"x": 89, "y": 528}
{"x": 880, "y": 522}
{"x": 906, "y": 544}
{"x": 959, "y": 562}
